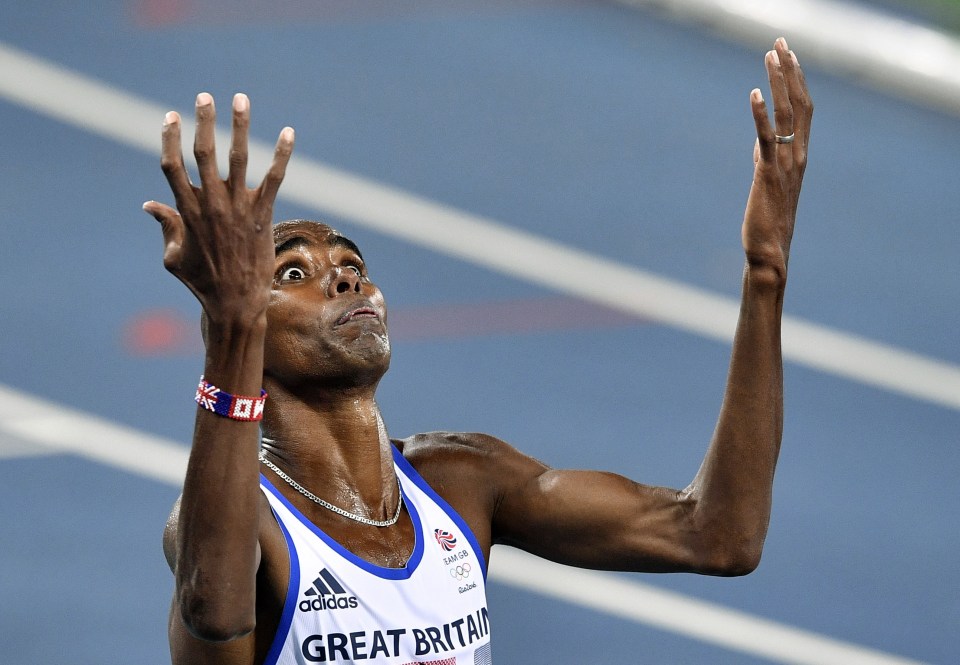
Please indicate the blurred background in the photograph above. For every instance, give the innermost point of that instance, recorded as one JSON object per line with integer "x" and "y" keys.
{"x": 611, "y": 142}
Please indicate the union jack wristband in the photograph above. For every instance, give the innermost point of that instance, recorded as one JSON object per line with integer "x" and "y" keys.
{"x": 224, "y": 404}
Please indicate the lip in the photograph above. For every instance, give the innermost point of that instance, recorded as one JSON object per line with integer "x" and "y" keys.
{"x": 364, "y": 311}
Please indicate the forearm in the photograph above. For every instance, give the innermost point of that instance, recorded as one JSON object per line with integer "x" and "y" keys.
{"x": 218, "y": 242}
{"x": 731, "y": 494}
{"x": 732, "y": 491}
{"x": 218, "y": 526}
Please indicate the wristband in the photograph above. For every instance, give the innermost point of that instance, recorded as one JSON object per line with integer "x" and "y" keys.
{"x": 224, "y": 404}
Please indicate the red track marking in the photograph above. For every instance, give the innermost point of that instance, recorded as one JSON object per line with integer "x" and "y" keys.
{"x": 504, "y": 318}
{"x": 158, "y": 13}
{"x": 169, "y": 332}
{"x": 161, "y": 332}
{"x": 161, "y": 13}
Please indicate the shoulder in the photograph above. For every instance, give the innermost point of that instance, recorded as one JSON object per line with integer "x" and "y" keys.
{"x": 443, "y": 458}
{"x": 467, "y": 459}
{"x": 445, "y": 444}
{"x": 471, "y": 472}
{"x": 453, "y": 452}
{"x": 479, "y": 475}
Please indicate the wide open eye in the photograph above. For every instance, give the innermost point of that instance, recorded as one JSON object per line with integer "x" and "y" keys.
{"x": 292, "y": 274}
{"x": 355, "y": 269}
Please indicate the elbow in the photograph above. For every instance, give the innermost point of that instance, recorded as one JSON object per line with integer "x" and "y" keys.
{"x": 214, "y": 621}
{"x": 212, "y": 601}
{"x": 722, "y": 547}
{"x": 735, "y": 566}
{"x": 731, "y": 559}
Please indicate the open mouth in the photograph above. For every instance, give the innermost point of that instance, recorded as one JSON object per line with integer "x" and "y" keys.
{"x": 364, "y": 312}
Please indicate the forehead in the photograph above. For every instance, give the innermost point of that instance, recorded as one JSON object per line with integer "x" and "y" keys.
{"x": 305, "y": 233}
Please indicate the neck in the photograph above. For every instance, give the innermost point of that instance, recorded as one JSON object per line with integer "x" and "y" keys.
{"x": 335, "y": 444}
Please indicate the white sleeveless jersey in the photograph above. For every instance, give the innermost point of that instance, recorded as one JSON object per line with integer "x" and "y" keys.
{"x": 342, "y": 609}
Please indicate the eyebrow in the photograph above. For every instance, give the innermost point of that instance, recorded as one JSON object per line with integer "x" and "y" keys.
{"x": 296, "y": 242}
{"x": 342, "y": 241}
{"x": 299, "y": 241}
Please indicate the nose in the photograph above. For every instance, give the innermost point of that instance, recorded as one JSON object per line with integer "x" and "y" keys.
{"x": 343, "y": 280}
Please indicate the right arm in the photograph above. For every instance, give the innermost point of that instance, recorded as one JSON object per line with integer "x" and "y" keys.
{"x": 219, "y": 243}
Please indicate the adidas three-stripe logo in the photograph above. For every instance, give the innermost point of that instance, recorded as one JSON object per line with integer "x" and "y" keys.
{"x": 327, "y": 594}
{"x": 324, "y": 584}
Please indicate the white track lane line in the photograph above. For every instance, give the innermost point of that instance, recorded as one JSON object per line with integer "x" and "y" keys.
{"x": 889, "y": 53}
{"x": 58, "y": 428}
{"x": 96, "y": 107}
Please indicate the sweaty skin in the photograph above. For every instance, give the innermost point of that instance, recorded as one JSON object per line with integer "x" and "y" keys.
{"x": 295, "y": 311}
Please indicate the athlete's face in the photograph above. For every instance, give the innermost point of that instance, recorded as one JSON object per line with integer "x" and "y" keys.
{"x": 326, "y": 320}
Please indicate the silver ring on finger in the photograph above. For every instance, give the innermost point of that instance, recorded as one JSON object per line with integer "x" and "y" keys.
{"x": 783, "y": 139}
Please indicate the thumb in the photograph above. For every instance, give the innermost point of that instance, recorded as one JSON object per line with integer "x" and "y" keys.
{"x": 171, "y": 225}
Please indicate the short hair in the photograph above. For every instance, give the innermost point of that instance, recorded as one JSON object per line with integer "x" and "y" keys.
{"x": 292, "y": 231}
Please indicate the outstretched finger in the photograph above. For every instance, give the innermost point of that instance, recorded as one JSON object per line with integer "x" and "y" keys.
{"x": 278, "y": 168}
{"x": 766, "y": 144}
{"x": 204, "y": 142}
{"x": 171, "y": 162}
{"x": 800, "y": 99}
{"x": 237, "y": 177}
{"x": 782, "y": 108}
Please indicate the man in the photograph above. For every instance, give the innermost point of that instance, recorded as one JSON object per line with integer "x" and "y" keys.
{"x": 338, "y": 544}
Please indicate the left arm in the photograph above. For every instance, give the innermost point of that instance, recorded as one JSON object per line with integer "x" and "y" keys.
{"x": 716, "y": 525}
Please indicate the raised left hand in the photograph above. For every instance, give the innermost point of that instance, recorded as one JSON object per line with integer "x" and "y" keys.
{"x": 780, "y": 158}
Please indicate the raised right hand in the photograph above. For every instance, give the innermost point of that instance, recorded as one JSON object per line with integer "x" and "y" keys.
{"x": 218, "y": 241}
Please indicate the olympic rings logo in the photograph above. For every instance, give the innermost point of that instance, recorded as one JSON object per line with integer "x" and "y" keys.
{"x": 460, "y": 572}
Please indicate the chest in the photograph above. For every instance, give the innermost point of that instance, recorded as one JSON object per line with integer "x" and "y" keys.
{"x": 343, "y": 604}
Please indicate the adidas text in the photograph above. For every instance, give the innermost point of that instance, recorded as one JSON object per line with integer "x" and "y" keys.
{"x": 328, "y": 603}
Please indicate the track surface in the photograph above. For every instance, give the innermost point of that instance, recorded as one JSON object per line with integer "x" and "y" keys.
{"x": 607, "y": 129}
